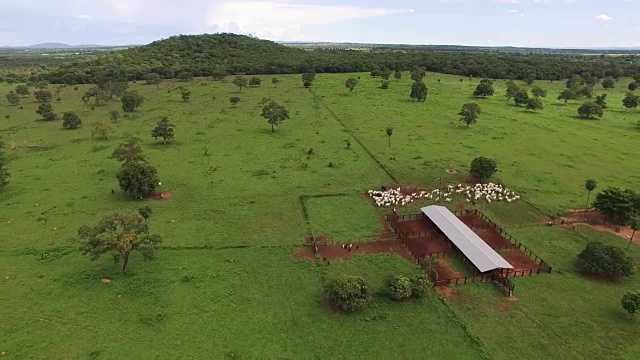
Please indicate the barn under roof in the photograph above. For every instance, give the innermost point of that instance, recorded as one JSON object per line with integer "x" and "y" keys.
{"x": 469, "y": 243}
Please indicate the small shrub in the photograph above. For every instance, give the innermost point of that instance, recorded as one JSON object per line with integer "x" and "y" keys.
{"x": 631, "y": 302}
{"x": 331, "y": 164}
{"x": 420, "y": 285}
{"x": 398, "y": 287}
{"x": 605, "y": 260}
{"x": 483, "y": 168}
{"x": 349, "y": 293}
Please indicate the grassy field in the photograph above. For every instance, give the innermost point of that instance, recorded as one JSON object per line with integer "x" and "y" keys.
{"x": 226, "y": 285}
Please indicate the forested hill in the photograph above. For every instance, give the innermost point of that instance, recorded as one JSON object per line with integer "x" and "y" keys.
{"x": 223, "y": 54}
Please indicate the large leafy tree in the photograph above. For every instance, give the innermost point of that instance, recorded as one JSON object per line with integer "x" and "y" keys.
{"x": 589, "y": 185}
{"x": 137, "y": 178}
{"x": 240, "y": 82}
{"x": 122, "y": 231}
{"x": 469, "y": 113}
{"x": 631, "y": 101}
{"x": 534, "y": 104}
{"x": 255, "y": 81}
{"x": 101, "y": 130}
{"x": 130, "y": 150}
{"x": 590, "y": 110}
{"x": 308, "y": 78}
{"x": 43, "y": 96}
{"x": 608, "y": 83}
{"x": 164, "y": 130}
{"x": 398, "y": 287}
{"x": 417, "y": 74}
{"x": 153, "y": 79}
{"x": 575, "y": 81}
{"x": 418, "y": 91}
{"x": 112, "y": 81}
{"x": 131, "y": 101}
{"x": 538, "y": 92}
{"x": 529, "y": 79}
{"x": 566, "y": 95}
{"x": 351, "y": 84}
{"x": 46, "y": 111}
{"x": 602, "y": 100}
{"x": 512, "y": 90}
{"x": 618, "y": 205}
{"x": 71, "y": 120}
{"x": 274, "y": 113}
{"x": 484, "y": 89}
{"x": 349, "y": 293}
{"x": 605, "y": 260}
{"x": 521, "y": 97}
{"x": 483, "y": 168}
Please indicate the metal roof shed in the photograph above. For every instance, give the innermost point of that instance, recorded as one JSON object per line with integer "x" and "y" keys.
{"x": 469, "y": 243}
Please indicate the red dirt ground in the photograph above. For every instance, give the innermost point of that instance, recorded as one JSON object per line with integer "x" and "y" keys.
{"x": 519, "y": 260}
{"x": 581, "y": 218}
{"x": 303, "y": 252}
{"x": 445, "y": 291}
{"x": 160, "y": 196}
{"x": 416, "y": 225}
{"x": 494, "y": 239}
{"x": 425, "y": 245}
{"x": 473, "y": 220}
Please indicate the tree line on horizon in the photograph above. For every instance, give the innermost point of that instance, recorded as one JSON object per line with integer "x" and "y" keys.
{"x": 219, "y": 55}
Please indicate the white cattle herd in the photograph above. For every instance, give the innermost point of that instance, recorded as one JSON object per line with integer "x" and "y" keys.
{"x": 488, "y": 192}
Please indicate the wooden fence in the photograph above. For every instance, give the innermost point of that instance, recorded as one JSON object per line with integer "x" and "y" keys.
{"x": 499, "y": 279}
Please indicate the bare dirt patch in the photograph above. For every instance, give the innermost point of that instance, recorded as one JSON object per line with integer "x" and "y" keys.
{"x": 445, "y": 291}
{"x": 422, "y": 246}
{"x": 594, "y": 220}
{"x": 472, "y": 220}
{"x": 160, "y": 196}
{"x": 445, "y": 271}
{"x": 451, "y": 171}
{"x": 494, "y": 239}
{"x": 519, "y": 260}
{"x": 415, "y": 225}
{"x": 303, "y": 252}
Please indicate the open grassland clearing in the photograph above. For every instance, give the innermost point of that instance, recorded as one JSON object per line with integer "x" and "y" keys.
{"x": 226, "y": 284}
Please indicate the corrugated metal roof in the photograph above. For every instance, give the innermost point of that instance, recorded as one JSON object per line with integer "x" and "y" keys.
{"x": 471, "y": 245}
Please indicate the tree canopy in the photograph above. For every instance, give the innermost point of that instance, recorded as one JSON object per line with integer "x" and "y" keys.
{"x": 131, "y": 101}
{"x": 605, "y": 260}
{"x": 538, "y": 92}
{"x": 130, "y": 150}
{"x": 484, "y": 89}
{"x": 46, "y": 111}
{"x": 631, "y": 302}
{"x": 71, "y": 120}
{"x": 469, "y": 113}
{"x": 137, "y": 178}
{"x": 521, "y": 97}
{"x": 349, "y": 293}
{"x": 418, "y": 91}
{"x": 590, "y": 110}
{"x": 483, "y": 168}
{"x": 240, "y": 82}
{"x": 631, "y": 101}
{"x": 122, "y": 231}
{"x": 618, "y": 205}
{"x": 274, "y": 113}
{"x": 534, "y": 104}
{"x": 164, "y": 130}
{"x": 351, "y": 84}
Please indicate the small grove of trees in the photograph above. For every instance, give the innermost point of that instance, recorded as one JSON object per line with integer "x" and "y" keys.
{"x": 604, "y": 260}
{"x": 131, "y": 101}
{"x": 399, "y": 287}
{"x": 620, "y": 206}
{"x": 512, "y": 90}
{"x": 4, "y": 172}
{"x": 22, "y": 90}
{"x": 469, "y": 113}
{"x": 308, "y": 78}
{"x": 122, "y": 231}
{"x": 349, "y": 293}
{"x": 631, "y": 302}
{"x": 255, "y": 81}
{"x": 483, "y": 168}
{"x": 46, "y": 111}
{"x": 13, "y": 98}
{"x": 521, "y": 97}
{"x": 164, "y": 130}
{"x": 484, "y": 89}
{"x": 351, "y": 84}
{"x": 590, "y": 110}
{"x": 418, "y": 90}
{"x": 240, "y": 82}
{"x": 234, "y": 100}
{"x": 71, "y": 120}
{"x": 274, "y": 113}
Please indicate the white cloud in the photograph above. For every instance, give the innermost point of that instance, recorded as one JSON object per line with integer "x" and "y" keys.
{"x": 523, "y": 1}
{"x": 603, "y": 17}
{"x": 280, "y": 20}
{"x": 513, "y": 11}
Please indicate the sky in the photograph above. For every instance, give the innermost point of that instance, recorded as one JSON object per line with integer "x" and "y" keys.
{"x": 530, "y": 23}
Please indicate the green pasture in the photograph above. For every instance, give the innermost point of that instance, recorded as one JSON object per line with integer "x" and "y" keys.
{"x": 226, "y": 284}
